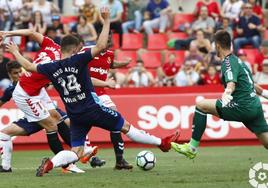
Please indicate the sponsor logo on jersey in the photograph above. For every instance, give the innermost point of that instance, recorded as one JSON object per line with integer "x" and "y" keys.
{"x": 99, "y": 70}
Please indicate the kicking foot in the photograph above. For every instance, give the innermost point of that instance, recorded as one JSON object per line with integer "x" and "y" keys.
{"x": 165, "y": 143}
{"x": 45, "y": 167}
{"x": 88, "y": 157}
{"x": 2, "y": 170}
{"x": 184, "y": 149}
{"x": 123, "y": 165}
{"x": 97, "y": 162}
{"x": 72, "y": 168}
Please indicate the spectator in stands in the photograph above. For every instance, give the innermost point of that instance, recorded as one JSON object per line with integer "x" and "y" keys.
{"x": 262, "y": 77}
{"x": 10, "y": 10}
{"x": 86, "y": 31}
{"x": 52, "y": 33}
{"x": 256, "y": 8}
{"x": 226, "y": 26}
{"x": 77, "y": 4}
{"x": 138, "y": 76}
{"x": 45, "y": 7}
{"x": 186, "y": 76}
{"x": 260, "y": 57}
{"x": 134, "y": 16}
{"x": 231, "y": 9}
{"x": 157, "y": 16}
{"x": 118, "y": 77}
{"x": 243, "y": 56}
{"x": 202, "y": 44}
{"x": 248, "y": 29}
{"x": 204, "y": 22}
{"x": 194, "y": 56}
{"x": 37, "y": 25}
{"x": 89, "y": 10}
{"x": 211, "y": 77}
{"x": 25, "y": 15}
{"x": 212, "y": 7}
{"x": 116, "y": 11}
{"x": 61, "y": 29}
{"x": 4, "y": 79}
{"x": 167, "y": 72}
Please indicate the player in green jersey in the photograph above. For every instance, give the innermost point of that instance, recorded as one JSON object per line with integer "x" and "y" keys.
{"x": 239, "y": 101}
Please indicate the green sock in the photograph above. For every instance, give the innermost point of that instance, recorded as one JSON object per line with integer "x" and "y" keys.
{"x": 199, "y": 126}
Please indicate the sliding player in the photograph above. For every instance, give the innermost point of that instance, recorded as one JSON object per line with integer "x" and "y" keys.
{"x": 239, "y": 101}
{"x": 71, "y": 79}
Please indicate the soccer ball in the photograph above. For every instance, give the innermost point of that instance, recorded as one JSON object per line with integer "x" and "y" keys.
{"x": 145, "y": 160}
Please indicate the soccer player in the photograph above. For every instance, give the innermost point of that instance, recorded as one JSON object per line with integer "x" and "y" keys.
{"x": 30, "y": 95}
{"x": 71, "y": 79}
{"x": 239, "y": 101}
{"x": 98, "y": 70}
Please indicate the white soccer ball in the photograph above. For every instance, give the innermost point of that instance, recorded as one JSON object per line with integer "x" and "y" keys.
{"x": 145, "y": 160}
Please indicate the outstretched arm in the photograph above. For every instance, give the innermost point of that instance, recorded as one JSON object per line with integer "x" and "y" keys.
{"x": 37, "y": 37}
{"x": 120, "y": 64}
{"x": 103, "y": 38}
{"x": 110, "y": 83}
{"x": 261, "y": 91}
{"x": 27, "y": 65}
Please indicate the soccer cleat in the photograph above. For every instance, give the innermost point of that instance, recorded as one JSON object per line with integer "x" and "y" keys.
{"x": 72, "y": 168}
{"x": 45, "y": 167}
{"x": 184, "y": 149}
{"x": 123, "y": 165}
{"x": 88, "y": 157}
{"x": 165, "y": 142}
{"x": 97, "y": 162}
{"x": 2, "y": 170}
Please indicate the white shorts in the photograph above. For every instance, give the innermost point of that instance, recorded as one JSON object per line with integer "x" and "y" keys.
{"x": 106, "y": 101}
{"x": 35, "y": 108}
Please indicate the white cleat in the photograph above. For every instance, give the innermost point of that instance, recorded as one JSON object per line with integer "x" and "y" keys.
{"x": 72, "y": 168}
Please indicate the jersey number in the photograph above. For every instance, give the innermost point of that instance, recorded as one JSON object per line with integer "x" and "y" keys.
{"x": 70, "y": 85}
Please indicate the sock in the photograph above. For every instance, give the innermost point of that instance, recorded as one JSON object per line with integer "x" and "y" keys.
{"x": 142, "y": 137}
{"x": 118, "y": 144}
{"x": 64, "y": 158}
{"x": 54, "y": 142}
{"x": 64, "y": 132}
{"x": 199, "y": 126}
{"x": 6, "y": 154}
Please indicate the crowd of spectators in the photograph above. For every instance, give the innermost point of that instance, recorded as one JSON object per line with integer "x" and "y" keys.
{"x": 245, "y": 20}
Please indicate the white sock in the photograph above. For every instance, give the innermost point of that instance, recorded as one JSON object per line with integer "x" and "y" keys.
{"x": 142, "y": 137}
{"x": 87, "y": 150}
{"x": 7, "y": 147}
{"x": 63, "y": 158}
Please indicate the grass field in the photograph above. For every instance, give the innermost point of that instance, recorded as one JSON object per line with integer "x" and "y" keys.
{"x": 214, "y": 167}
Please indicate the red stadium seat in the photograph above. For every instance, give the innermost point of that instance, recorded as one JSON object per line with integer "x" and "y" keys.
{"x": 132, "y": 41}
{"x": 123, "y": 55}
{"x": 151, "y": 59}
{"x": 180, "y": 56}
{"x": 68, "y": 19}
{"x": 157, "y": 42}
{"x": 251, "y": 54}
{"x": 178, "y": 35}
{"x": 265, "y": 35}
{"x": 182, "y": 19}
{"x": 116, "y": 42}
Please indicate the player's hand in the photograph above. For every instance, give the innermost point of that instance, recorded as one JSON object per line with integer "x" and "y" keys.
{"x": 105, "y": 13}
{"x": 111, "y": 83}
{"x": 226, "y": 97}
{"x": 2, "y": 37}
{"x": 11, "y": 47}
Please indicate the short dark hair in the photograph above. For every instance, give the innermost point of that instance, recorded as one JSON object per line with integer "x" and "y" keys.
{"x": 12, "y": 65}
{"x": 68, "y": 43}
{"x": 81, "y": 40}
{"x": 223, "y": 38}
{"x": 50, "y": 29}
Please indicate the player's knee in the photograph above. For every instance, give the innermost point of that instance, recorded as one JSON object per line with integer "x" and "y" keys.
{"x": 125, "y": 127}
{"x": 55, "y": 115}
{"x": 201, "y": 105}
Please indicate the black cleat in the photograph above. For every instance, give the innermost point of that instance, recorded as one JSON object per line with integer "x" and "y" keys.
{"x": 96, "y": 162}
{"x": 2, "y": 170}
{"x": 123, "y": 165}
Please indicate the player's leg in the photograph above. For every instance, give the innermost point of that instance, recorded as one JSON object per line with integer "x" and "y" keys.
{"x": 116, "y": 138}
{"x": 203, "y": 107}
{"x": 263, "y": 138}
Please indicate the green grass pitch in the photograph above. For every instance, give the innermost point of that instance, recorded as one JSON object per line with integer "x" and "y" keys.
{"x": 214, "y": 167}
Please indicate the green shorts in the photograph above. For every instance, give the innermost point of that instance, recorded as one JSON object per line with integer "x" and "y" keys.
{"x": 250, "y": 115}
